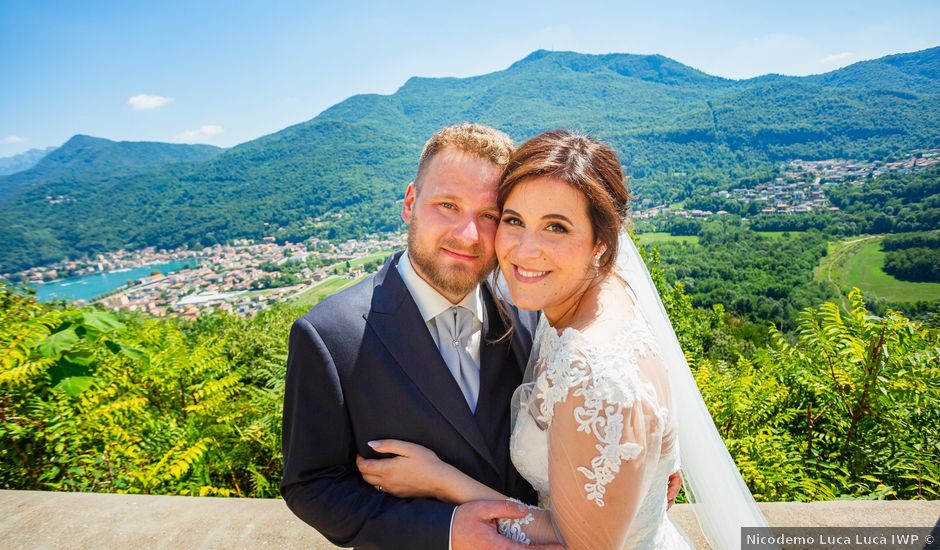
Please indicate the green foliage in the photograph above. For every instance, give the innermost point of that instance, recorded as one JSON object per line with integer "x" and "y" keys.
{"x": 701, "y": 332}
{"x": 913, "y": 256}
{"x": 846, "y": 408}
{"x": 756, "y": 277}
{"x": 750, "y": 409}
{"x": 891, "y": 203}
{"x": 92, "y": 402}
{"x": 276, "y": 281}
{"x": 914, "y": 264}
{"x": 859, "y": 262}
{"x": 911, "y": 240}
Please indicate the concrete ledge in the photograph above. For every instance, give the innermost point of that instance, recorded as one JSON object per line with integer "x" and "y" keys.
{"x": 34, "y": 519}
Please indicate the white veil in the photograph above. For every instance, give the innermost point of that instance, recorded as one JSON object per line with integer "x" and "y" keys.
{"x": 721, "y": 500}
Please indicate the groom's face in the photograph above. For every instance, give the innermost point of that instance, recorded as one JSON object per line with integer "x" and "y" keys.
{"x": 452, "y": 217}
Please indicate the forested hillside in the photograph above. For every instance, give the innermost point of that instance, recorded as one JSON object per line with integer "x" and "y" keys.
{"x": 758, "y": 277}
{"x": 22, "y": 161}
{"x": 85, "y": 161}
{"x": 340, "y": 174}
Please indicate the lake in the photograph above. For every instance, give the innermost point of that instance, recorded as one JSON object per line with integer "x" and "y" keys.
{"x": 87, "y": 287}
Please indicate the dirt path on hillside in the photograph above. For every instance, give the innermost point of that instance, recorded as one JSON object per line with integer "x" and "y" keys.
{"x": 848, "y": 246}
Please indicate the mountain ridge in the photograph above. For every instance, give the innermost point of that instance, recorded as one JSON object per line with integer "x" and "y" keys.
{"x": 341, "y": 173}
{"x": 87, "y": 157}
{"x": 22, "y": 161}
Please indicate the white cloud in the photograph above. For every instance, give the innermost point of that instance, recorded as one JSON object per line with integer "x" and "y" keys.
{"x": 836, "y": 58}
{"x": 143, "y": 102}
{"x": 12, "y": 140}
{"x": 201, "y": 134}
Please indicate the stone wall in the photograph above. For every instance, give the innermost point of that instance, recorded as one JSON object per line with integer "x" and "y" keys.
{"x": 31, "y": 519}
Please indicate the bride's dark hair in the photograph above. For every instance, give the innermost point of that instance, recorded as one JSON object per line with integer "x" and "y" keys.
{"x": 586, "y": 164}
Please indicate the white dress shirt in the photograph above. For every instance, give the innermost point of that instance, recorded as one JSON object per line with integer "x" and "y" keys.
{"x": 431, "y": 304}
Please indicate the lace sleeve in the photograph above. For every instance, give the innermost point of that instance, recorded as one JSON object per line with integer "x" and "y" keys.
{"x": 602, "y": 410}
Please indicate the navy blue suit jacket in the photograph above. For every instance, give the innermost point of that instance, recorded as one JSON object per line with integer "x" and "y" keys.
{"x": 362, "y": 365}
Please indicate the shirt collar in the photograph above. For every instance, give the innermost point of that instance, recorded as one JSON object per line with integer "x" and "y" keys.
{"x": 430, "y": 302}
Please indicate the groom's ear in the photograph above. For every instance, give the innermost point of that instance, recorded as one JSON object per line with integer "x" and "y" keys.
{"x": 407, "y": 206}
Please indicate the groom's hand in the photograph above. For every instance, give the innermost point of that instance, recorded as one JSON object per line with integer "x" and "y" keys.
{"x": 475, "y": 525}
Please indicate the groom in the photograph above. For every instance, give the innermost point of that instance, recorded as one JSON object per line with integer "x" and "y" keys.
{"x": 415, "y": 353}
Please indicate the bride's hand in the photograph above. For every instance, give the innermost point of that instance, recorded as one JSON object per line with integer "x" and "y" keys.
{"x": 416, "y": 471}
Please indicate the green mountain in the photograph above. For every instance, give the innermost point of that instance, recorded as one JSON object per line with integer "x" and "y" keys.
{"x": 85, "y": 161}
{"x": 340, "y": 174}
{"x": 22, "y": 161}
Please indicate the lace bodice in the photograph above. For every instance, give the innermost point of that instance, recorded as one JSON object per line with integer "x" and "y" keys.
{"x": 593, "y": 434}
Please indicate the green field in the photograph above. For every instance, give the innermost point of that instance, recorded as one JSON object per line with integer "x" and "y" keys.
{"x": 654, "y": 238}
{"x": 324, "y": 288}
{"x": 335, "y": 283}
{"x": 371, "y": 257}
{"x": 858, "y": 263}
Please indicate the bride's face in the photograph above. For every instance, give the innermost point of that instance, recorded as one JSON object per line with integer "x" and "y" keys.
{"x": 545, "y": 245}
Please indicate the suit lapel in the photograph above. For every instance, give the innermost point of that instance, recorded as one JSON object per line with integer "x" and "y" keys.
{"x": 497, "y": 383}
{"x": 397, "y": 322}
{"x": 494, "y": 354}
{"x": 502, "y": 365}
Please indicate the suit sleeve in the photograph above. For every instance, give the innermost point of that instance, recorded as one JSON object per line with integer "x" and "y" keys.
{"x": 321, "y": 484}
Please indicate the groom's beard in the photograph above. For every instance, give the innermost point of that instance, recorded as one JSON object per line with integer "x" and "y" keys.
{"x": 451, "y": 279}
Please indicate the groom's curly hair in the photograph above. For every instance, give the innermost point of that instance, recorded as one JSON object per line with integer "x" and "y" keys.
{"x": 586, "y": 164}
{"x": 474, "y": 139}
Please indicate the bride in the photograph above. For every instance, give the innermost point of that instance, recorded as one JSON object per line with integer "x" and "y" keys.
{"x": 608, "y": 400}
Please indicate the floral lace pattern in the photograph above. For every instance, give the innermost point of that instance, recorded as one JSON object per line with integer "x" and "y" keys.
{"x": 607, "y": 387}
{"x": 607, "y": 382}
{"x": 512, "y": 528}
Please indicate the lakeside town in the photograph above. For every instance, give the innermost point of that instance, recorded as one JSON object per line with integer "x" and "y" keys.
{"x": 246, "y": 276}
{"x": 801, "y": 186}
{"x": 242, "y": 277}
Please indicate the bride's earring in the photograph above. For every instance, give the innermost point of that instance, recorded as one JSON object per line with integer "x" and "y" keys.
{"x": 597, "y": 259}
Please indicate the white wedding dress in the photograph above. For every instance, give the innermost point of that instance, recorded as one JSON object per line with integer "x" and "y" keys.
{"x": 604, "y": 466}
{"x": 598, "y": 425}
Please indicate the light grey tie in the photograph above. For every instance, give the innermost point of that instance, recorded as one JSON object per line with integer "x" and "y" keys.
{"x": 454, "y": 327}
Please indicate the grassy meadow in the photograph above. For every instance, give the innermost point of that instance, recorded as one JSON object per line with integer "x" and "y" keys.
{"x": 859, "y": 262}
{"x": 326, "y": 287}
{"x": 336, "y": 283}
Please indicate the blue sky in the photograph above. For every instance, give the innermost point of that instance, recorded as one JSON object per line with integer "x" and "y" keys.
{"x": 227, "y": 72}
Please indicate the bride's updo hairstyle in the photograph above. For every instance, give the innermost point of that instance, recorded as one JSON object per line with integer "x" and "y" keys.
{"x": 587, "y": 165}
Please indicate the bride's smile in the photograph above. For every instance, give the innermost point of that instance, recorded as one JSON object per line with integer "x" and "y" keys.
{"x": 546, "y": 246}
{"x": 526, "y": 276}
